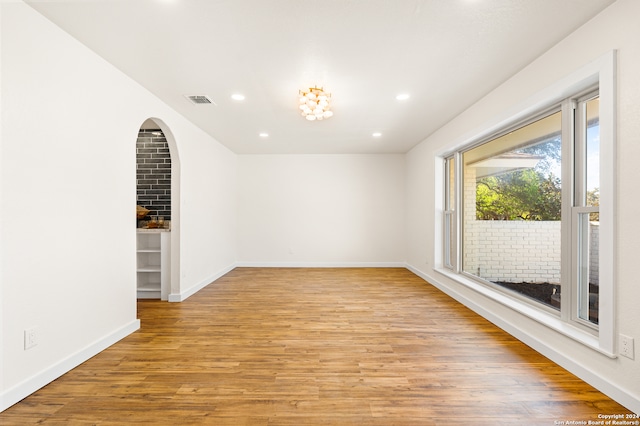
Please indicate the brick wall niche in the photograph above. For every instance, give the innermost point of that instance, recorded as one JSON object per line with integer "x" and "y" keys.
{"x": 153, "y": 162}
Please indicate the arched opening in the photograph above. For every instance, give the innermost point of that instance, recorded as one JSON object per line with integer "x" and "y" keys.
{"x": 157, "y": 211}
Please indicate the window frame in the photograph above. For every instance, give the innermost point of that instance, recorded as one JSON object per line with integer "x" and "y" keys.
{"x": 565, "y": 94}
{"x": 576, "y": 206}
{"x": 450, "y": 228}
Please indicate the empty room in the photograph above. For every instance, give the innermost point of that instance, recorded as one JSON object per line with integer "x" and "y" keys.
{"x": 410, "y": 212}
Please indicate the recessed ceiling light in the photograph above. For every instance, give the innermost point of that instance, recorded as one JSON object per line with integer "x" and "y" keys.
{"x": 403, "y": 96}
{"x": 376, "y": 134}
{"x": 264, "y": 135}
{"x": 237, "y": 97}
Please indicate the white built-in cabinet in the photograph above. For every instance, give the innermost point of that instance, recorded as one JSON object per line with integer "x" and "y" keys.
{"x": 153, "y": 257}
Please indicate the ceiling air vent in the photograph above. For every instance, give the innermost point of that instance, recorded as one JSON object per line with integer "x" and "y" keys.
{"x": 200, "y": 99}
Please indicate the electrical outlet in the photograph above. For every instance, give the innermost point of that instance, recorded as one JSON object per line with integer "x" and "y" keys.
{"x": 626, "y": 346}
{"x": 30, "y": 338}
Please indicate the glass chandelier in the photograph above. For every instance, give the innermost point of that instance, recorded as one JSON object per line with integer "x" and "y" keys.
{"x": 314, "y": 104}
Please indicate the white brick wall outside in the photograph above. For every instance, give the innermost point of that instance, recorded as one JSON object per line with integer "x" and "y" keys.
{"x": 513, "y": 251}
{"x": 520, "y": 251}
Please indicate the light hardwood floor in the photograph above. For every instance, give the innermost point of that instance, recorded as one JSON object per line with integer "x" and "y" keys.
{"x": 272, "y": 346}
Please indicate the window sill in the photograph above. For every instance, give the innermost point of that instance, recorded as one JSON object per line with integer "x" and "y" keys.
{"x": 530, "y": 311}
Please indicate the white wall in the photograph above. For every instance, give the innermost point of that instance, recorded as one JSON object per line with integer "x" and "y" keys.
{"x": 615, "y": 28}
{"x": 207, "y": 211}
{"x": 323, "y": 210}
{"x": 1, "y": 221}
{"x": 67, "y": 251}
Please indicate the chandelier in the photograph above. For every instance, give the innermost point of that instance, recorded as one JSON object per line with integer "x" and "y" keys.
{"x": 314, "y": 104}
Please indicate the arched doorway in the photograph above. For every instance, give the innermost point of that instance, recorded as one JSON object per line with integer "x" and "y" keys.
{"x": 158, "y": 212}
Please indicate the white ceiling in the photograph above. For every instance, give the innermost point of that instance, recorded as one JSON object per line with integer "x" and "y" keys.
{"x": 445, "y": 53}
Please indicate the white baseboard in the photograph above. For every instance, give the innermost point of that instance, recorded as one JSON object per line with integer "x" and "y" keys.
{"x": 321, "y": 265}
{"x": 616, "y": 393}
{"x": 183, "y": 295}
{"x": 29, "y": 386}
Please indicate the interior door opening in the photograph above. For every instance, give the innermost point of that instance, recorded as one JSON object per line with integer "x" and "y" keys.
{"x": 157, "y": 224}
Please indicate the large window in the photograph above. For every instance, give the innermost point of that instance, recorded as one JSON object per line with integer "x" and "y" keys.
{"x": 522, "y": 211}
{"x": 512, "y": 208}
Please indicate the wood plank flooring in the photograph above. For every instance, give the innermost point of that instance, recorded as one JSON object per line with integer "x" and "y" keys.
{"x": 272, "y": 346}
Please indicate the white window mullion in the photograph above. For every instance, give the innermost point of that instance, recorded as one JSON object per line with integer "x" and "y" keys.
{"x": 568, "y": 196}
{"x": 449, "y": 234}
{"x": 581, "y": 265}
{"x": 584, "y": 303}
{"x": 579, "y": 155}
{"x": 457, "y": 226}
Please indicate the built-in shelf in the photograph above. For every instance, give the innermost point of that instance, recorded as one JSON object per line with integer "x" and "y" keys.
{"x": 153, "y": 261}
{"x": 149, "y": 269}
